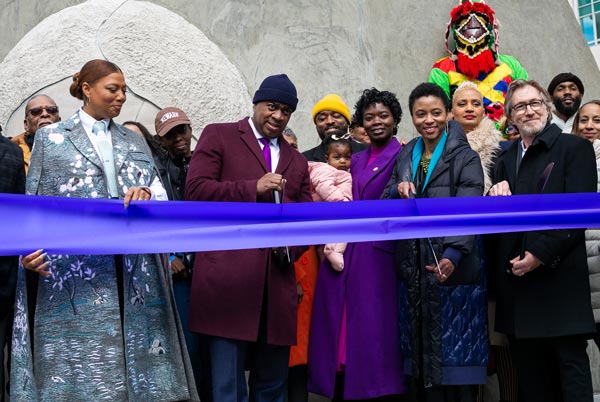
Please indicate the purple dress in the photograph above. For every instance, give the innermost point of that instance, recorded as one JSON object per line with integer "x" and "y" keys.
{"x": 368, "y": 284}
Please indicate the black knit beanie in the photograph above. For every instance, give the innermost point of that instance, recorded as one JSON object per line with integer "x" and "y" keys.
{"x": 562, "y": 77}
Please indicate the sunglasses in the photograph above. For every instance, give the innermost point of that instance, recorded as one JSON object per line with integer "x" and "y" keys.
{"x": 37, "y": 111}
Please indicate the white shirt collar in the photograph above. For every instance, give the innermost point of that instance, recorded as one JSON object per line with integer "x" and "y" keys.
{"x": 565, "y": 125}
{"x": 273, "y": 141}
{"x": 273, "y": 147}
{"x": 88, "y": 121}
{"x": 523, "y": 148}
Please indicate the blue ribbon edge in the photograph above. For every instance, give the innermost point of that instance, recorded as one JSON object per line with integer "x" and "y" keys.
{"x": 62, "y": 225}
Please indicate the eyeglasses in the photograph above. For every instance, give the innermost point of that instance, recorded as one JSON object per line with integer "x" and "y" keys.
{"x": 37, "y": 111}
{"x": 535, "y": 105}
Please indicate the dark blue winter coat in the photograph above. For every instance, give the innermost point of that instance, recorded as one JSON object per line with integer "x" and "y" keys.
{"x": 443, "y": 327}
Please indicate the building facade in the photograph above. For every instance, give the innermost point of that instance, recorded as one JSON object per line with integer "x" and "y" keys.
{"x": 587, "y": 13}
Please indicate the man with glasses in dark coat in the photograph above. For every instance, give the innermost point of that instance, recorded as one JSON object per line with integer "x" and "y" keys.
{"x": 543, "y": 291}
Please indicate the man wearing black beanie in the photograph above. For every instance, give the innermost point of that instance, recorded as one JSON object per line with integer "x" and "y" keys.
{"x": 566, "y": 90}
{"x": 245, "y": 301}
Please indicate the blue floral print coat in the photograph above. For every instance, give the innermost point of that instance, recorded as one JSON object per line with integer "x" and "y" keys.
{"x": 105, "y": 326}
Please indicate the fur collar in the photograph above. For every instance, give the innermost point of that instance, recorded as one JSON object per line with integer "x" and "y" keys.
{"x": 485, "y": 140}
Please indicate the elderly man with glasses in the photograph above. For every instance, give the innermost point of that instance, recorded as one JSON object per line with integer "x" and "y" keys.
{"x": 541, "y": 277}
{"x": 40, "y": 111}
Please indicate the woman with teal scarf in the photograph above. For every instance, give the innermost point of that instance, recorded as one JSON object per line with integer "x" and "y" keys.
{"x": 442, "y": 306}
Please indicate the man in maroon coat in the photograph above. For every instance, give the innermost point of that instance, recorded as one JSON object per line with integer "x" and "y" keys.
{"x": 245, "y": 300}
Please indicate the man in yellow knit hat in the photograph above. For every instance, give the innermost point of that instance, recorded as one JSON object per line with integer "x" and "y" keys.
{"x": 331, "y": 117}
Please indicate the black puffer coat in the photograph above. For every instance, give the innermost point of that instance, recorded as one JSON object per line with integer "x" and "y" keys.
{"x": 443, "y": 327}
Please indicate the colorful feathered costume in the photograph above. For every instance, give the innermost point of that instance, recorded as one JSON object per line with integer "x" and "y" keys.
{"x": 476, "y": 57}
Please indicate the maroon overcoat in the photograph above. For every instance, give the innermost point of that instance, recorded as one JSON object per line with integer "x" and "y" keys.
{"x": 228, "y": 286}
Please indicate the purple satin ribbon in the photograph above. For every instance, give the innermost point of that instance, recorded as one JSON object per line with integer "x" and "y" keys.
{"x": 86, "y": 226}
{"x": 266, "y": 152}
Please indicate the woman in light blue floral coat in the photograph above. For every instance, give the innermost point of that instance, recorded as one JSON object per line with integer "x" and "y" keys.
{"x": 105, "y": 326}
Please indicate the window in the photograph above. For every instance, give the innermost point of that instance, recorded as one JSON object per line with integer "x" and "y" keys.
{"x": 589, "y": 18}
{"x": 587, "y": 26}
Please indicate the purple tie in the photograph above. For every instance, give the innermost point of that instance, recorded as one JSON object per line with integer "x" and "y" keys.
{"x": 266, "y": 152}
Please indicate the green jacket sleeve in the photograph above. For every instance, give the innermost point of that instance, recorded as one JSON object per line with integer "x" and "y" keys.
{"x": 518, "y": 72}
{"x": 439, "y": 77}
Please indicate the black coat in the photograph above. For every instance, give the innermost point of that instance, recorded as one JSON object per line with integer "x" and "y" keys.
{"x": 459, "y": 164}
{"x": 173, "y": 173}
{"x": 553, "y": 299}
{"x": 451, "y": 320}
{"x": 12, "y": 180}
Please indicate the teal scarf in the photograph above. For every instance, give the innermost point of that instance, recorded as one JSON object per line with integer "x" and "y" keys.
{"x": 417, "y": 154}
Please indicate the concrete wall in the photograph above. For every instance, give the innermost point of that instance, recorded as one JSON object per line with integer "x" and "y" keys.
{"x": 167, "y": 62}
{"x": 340, "y": 46}
{"x": 344, "y": 46}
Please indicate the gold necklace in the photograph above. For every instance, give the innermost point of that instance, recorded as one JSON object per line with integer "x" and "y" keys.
{"x": 425, "y": 163}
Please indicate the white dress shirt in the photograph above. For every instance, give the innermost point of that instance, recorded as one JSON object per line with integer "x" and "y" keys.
{"x": 87, "y": 122}
{"x": 273, "y": 145}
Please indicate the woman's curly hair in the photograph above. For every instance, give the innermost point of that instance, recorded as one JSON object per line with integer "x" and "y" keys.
{"x": 372, "y": 96}
{"x": 426, "y": 89}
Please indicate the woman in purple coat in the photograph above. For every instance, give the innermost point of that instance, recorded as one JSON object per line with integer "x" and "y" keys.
{"x": 354, "y": 350}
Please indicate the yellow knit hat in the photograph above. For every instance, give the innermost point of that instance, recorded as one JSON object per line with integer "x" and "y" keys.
{"x": 331, "y": 102}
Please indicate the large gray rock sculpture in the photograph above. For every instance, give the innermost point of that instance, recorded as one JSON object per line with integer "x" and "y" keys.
{"x": 166, "y": 60}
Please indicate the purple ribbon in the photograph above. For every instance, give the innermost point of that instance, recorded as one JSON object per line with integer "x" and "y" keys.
{"x": 86, "y": 226}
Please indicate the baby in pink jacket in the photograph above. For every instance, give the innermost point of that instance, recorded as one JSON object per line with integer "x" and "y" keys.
{"x": 331, "y": 181}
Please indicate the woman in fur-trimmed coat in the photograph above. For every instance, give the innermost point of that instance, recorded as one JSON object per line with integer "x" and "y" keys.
{"x": 483, "y": 137}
